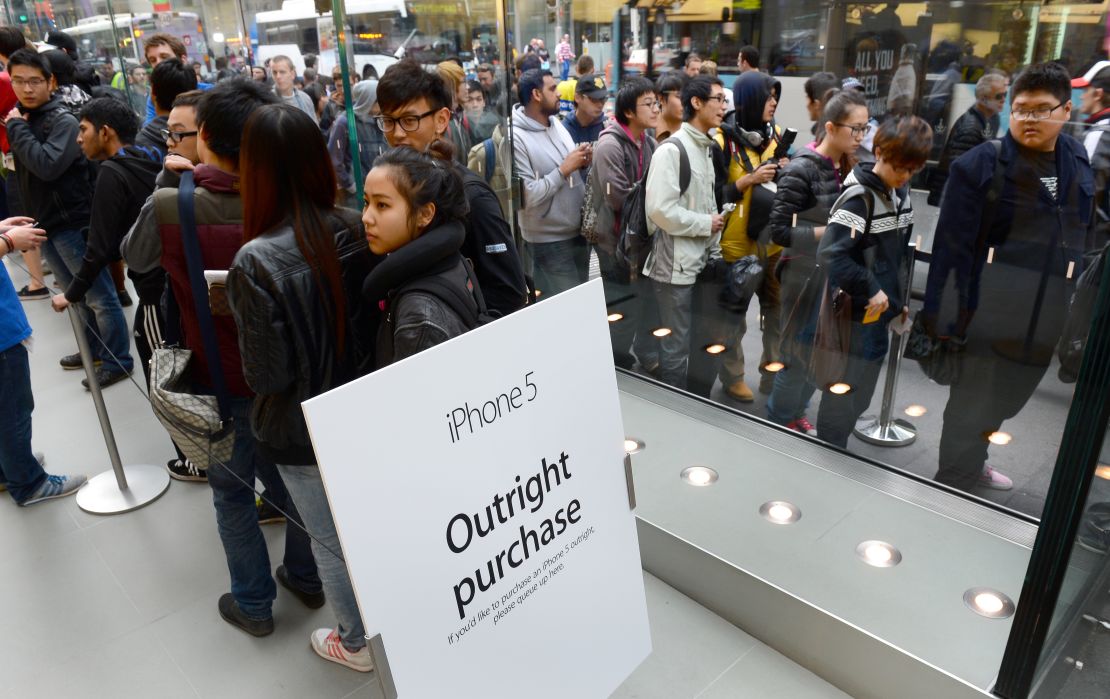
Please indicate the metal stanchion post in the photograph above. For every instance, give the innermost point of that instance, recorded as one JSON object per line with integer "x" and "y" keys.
{"x": 885, "y": 431}
{"x": 124, "y": 488}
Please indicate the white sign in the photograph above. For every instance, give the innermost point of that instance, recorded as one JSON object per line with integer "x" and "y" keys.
{"x": 479, "y": 492}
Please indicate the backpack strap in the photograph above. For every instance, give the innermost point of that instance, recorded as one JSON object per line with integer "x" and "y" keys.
{"x": 684, "y": 173}
{"x": 868, "y": 196}
{"x": 195, "y": 265}
{"x": 491, "y": 162}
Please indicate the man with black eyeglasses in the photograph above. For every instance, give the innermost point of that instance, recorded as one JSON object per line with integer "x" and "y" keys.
{"x": 416, "y": 111}
{"x": 1016, "y": 243}
{"x": 977, "y": 125}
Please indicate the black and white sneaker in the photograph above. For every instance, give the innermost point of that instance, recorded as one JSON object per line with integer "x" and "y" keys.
{"x": 186, "y": 471}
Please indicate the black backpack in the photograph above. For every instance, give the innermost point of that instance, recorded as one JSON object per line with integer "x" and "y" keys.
{"x": 634, "y": 238}
{"x": 1073, "y": 340}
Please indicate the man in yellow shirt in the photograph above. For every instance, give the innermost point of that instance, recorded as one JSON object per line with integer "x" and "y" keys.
{"x": 585, "y": 66}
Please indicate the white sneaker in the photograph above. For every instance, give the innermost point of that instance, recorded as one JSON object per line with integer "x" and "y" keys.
{"x": 991, "y": 478}
{"x": 327, "y": 645}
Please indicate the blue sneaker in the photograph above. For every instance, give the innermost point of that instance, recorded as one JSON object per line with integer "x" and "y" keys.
{"x": 55, "y": 487}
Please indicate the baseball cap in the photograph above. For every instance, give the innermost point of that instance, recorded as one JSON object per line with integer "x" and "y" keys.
{"x": 592, "y": 86}
{"x": 852, "y": 84}
{"x": 1091, "y": 74}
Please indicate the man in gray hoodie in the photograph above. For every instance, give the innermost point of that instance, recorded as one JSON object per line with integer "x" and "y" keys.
{"x": 553, "y": 170}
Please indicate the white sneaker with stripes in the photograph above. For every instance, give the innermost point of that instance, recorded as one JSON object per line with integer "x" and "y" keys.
{"x": 327, "y": 645}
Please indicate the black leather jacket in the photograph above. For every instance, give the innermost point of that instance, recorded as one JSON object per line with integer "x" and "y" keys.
{"x": 287, "y": 335}
{"x": 808, "y": 187}
{"x": 416, "y": 320}
{"x": 971, "y": 129}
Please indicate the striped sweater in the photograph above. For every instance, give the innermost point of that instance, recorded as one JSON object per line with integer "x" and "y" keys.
{"x": 862, "y": 257}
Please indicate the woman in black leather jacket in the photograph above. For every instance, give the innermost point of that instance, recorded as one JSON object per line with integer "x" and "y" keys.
{"x": 415, "y": 207}
{"x": 807, "y": 189}
{"x": 294, "y": 287}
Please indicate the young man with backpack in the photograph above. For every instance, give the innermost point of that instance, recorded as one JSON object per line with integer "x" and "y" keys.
{"x": 416, "y": 111}
{"x": 54, "y": 182}
{"x": 621, "y": 160}
{"x": 681, "y": 207}
{"x": 169, "y": 79}
{"x": 1016, "y": 261}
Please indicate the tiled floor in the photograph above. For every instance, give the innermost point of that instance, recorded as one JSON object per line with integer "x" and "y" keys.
{"x": 125, "y": 606}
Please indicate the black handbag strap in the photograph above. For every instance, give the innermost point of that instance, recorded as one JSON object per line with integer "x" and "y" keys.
{"x": 194, "y": 263}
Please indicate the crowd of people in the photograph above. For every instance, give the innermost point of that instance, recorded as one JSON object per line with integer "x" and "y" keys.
{"x": 697, "y": 202}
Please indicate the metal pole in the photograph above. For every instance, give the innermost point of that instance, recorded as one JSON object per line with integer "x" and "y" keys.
{"x": 122, "y": 489}
{"x": 97, "y": 396}
{"x": 885, "y": 431}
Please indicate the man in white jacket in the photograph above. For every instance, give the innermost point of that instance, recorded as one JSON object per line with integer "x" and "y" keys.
{"x": 688, "y": 225}
{"x": 553, "y": 171}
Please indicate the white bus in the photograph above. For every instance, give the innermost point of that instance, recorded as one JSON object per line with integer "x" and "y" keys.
{"x": 96, "y": 45}
{"x": 378, "y": 29}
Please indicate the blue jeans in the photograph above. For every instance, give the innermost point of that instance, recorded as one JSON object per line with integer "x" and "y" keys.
{"x": 19, "y": 469}
{"x": 792, "y": 390}
{"x": 65, "y": 251}
{"x": 248, "y": 560}
{"x": 631, "y": 336}
{"x": 564, "y": 69}
{"x": 837, "y": 415}
{"x": 559, "y": 266}
{"x": 307, "y": 490}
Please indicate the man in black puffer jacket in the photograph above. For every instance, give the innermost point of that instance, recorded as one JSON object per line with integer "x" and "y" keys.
{"x": 977, "y": 125}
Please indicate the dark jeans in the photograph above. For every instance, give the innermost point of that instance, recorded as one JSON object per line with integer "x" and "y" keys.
{"x": 631, "y": 335}
{"x": 793, "y": 386}
{"x": 990, "y": 391}
{"x": 559, "y": 266}
{"x": 248, "y": 560}
{"x": 19, "y": 469}
{"x": 675, "y": 303}
{"x": 65, "y": 251}
{"x": 837, "y": 415}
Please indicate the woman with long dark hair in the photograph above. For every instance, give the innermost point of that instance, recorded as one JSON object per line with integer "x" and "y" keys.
{"x": 294, "y": 288}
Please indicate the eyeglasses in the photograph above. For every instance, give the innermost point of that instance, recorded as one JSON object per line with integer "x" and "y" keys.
{"x": 176, "y": 136}
{"x": 655, "y": 106}
{"x": 857, "y": 131}
{"x": 33, "y": 82}
{"x": 1001, "y": 96}
{"x": 408, "y": 123}
{"x": 1038, "y": 114}
{"x": 717, "y": 98}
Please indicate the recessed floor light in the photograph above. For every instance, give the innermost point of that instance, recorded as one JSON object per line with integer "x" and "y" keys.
{"x": 631, "y": 446}
{"x": 661, "y": 332}
{"x": 879, "y": 554}
{"x": 699, "y": 475}
{"x": 916, "y": 410}
{"x": 1103, "y": 471}
{"x": 773, "y": 367}
{"x": 1000, "y": 438}
{"x": 614, "y": 317}
{"x": 780, "y": 512}
{"x": 839, "y": 388}
{"x": 716, "y": 348}
{"x": 989, "y": 603}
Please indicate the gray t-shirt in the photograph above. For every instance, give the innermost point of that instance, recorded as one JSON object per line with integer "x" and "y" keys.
{"x": 301, "y": 100}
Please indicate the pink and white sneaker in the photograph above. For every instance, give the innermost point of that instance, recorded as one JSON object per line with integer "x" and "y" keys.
{"x": 802, "y": 425}
{"x": 327, "y": 645}
{"x": 991, "y": 478}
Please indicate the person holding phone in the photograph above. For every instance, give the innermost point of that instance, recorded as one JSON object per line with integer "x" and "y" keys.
{"x": 863, "y": 251}
{"x": 750, "y": 143}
